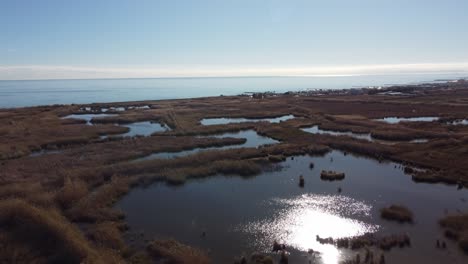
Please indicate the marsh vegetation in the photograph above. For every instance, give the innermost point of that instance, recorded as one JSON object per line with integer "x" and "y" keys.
{"x": 61, "y": 179}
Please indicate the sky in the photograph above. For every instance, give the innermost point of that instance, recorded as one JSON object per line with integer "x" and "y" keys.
{"x": 56, "y": 39}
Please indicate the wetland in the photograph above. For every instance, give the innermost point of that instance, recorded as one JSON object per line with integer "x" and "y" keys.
{"x": 222, "y": 179}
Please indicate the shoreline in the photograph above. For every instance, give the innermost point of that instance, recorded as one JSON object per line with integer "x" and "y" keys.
{"x": 60, "y": 93}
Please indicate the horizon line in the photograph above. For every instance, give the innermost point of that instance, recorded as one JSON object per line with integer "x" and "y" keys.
{"x": 56, "y": 72}
{"x": 461, "y": 73}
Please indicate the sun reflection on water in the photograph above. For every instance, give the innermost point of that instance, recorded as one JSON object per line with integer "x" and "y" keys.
{"x": 298, "y": 221}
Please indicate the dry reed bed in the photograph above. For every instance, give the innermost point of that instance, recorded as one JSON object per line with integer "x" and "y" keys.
{"x": 397, "y": 213}
{"x": 95, "y": 155}
{"x": 368, "y": 240}
{"x": 456, "y": 228}
{"x": 47, "y": 234}
{"x": 174, "y": 252}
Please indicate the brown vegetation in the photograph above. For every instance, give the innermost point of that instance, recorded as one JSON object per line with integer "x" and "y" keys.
{"x": 50, "y": 195}
{"x": 368, "y": 240}
{"x": 45, "y": 233}
{"x": 174, "y": 252}
{"x": 456, "y": 227}
{"x": 397, "y": 213}
{"x": 71, "y": 192}
{"x": 332, "y": 175}
{"x": 261, "y": 259}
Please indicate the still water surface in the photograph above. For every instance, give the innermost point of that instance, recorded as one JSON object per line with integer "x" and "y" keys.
{"x": 396, "y": 120}
{"x": 144, "y": 128}
{"x": 88, "y": 117}
{"x": 364, "y": 136}
{"x": 253, "y": 140}
{"x": 243, "y": 215}
{"x": 225, "y": 121}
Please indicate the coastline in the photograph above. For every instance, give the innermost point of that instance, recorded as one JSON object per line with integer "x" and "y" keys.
{"x": 49, "y": 92}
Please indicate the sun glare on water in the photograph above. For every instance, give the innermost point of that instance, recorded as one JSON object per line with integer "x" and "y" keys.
{"x": 299, "y": 220}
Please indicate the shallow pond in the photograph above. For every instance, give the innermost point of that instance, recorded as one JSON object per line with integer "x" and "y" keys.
{"x": 223, "y": 120}
{"x": 395, "y": 120}
{"x": 253, "y": 140}
{"x": 459, "y": 122}
{"x": 364, "y": 136}
{"x": 88, "y": 117}
{"x": 44, "y": 152}
{"x": 122, "y": 109}
{"x": 145, "y": 128}
{"x": 317, "y": 130}
{"x": 243, "y": 215}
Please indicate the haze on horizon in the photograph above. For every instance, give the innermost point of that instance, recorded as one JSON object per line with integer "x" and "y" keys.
{"x": 54, "y": 39}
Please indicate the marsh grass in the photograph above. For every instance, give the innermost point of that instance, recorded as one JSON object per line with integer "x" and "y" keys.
{"x": 456, "y": 227}
{"x": 386, "y": 242}
{"x": 276, "y": 158}
{"x": 404, "y": 134}
{"x": 107, "y": 235}
{"x": 258, "y": 258}
{"x": 397, "y": 213}
{"x": 174, "y": 252}
{"x": 37, "y": 201}
{"x": 31, "y": 192}
{"x": 332, "y": 175}
{"x": 178, "y": 176}
{"x": 96, "y": 206}
{"x": 71, "y": 192}
{"x": 46, "y": 231}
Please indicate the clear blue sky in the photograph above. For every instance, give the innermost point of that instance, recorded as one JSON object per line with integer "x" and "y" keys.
{"x": 177, "y": 35}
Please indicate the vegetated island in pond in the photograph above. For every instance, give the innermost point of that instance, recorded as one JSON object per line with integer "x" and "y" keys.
{"x": 61, "y": 176}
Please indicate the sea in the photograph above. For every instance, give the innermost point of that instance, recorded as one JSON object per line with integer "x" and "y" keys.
{"x": 24, "y": 93}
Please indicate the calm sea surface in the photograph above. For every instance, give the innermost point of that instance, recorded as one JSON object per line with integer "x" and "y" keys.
{"x": 46, "y": 92}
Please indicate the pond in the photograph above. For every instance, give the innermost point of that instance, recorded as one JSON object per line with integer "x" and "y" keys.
{"x": 395, "y": 120}
{"x": 88, "y": 117}
{"x": 122, "y": 109}
{"x": 253, "y": 140}
{"x": 317, "y": 130}
{"x": 44, "y": 152}
{"x": 224, "y": 121}
{"x": 245, "y": 215}
{"x": 459, "y": 122}
{"x": 145, "y": 128}
{"x": 364, "y": 136}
